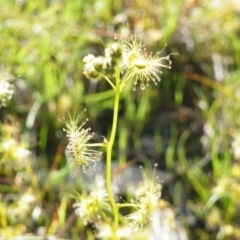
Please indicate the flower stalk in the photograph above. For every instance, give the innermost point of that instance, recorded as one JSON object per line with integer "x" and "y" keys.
{"x": 109, "y": 152}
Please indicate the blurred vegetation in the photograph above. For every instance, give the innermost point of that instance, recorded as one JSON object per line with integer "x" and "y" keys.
{"x": 191, "y": 119}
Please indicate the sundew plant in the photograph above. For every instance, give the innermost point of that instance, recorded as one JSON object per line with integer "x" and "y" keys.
{"x": 125, "y": 64}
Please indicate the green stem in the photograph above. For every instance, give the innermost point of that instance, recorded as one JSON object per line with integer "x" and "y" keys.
{"x": 109, "y": 154}
{"x": 130, "y": 205}
{"x": 109, "y": 81}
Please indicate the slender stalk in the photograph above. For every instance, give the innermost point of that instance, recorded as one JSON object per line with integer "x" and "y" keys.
{"x": 130, "y": 205}
{"x": 109, "y": 154}
{"x": 109, "y": 81}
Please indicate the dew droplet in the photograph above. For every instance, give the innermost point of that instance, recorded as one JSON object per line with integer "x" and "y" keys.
{"x": 142, "y": 86}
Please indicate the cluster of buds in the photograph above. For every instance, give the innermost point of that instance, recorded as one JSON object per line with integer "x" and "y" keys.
{"x": 97, "y": 67}
{"x": 135, "y": 62}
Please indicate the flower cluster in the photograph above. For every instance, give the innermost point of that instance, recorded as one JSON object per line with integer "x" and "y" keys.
{"x": 138, "y": 65}
{"x": 91, "y": 207}
{"x": 81, "y": 155}
{"x": 96, "y": 68}
{"x": 6, "y": 88}
{"x": 147, "y": 202}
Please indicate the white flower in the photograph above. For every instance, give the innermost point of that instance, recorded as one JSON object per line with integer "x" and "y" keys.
{"x": 138, "y": 65}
